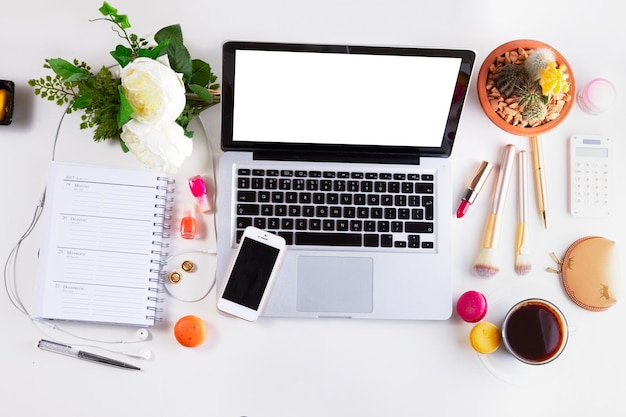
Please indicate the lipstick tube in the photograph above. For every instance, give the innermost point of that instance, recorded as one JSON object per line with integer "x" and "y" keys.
{"x": 474, "y": 186}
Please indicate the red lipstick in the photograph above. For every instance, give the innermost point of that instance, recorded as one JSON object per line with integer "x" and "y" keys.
{"x": 473, "y": 187}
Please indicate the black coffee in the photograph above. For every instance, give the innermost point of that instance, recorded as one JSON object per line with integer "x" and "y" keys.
{"x": 535, "y": 332}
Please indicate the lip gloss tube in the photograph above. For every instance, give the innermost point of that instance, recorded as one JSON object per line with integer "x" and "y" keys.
{"x": 199, "y": 190}
{"x": 473, "y": 187}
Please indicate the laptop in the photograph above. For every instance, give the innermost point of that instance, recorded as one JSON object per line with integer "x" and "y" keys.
{"x": 343, "y": 150}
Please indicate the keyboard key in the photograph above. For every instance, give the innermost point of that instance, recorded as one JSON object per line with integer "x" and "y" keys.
{"x": 246, "y": 196}
{"x": 356, "y": 225}
{"x": 424, "y": 187}
{"x": 243, "y": 183}
{"x": 328, "y": 239}
{"x": 288, "y": 236}
{"x": 243, "y": 222}
{"x": 371, "y": 240}
{"x": 247, "y": 209}
{"x": 273, "y": 223}
{"x": 418, "y": 227}
{"x": 427, "y": 202}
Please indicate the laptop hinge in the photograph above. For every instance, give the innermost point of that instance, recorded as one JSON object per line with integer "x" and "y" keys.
{"x": 340, "y": 156}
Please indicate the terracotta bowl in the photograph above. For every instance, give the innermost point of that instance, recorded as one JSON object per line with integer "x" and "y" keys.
{"x": 482, "y": 91}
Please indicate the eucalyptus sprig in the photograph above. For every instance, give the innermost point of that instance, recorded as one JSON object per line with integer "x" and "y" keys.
{"x": 100, "y": 95}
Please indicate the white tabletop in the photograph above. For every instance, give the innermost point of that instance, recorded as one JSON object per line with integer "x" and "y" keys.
{"x": 320, "y": 367}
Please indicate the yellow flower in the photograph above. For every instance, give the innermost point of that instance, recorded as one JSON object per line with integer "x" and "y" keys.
{"x": 554, "y": 80}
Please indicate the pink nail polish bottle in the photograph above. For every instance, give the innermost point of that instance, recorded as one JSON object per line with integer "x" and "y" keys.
{"x": 199, "y": 190}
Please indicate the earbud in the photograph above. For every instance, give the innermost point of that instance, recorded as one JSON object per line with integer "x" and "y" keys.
{"x": 142, "y": 334}
{"x": 142, "y": 354}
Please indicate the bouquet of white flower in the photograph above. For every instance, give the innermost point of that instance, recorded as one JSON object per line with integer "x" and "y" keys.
{"x": 148, "y": 105}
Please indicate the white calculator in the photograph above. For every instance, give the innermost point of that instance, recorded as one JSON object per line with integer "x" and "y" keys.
{"x": 590, "y": 176}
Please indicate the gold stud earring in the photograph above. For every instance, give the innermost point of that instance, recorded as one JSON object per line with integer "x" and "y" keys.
{"x": 174, "y": 277}
{"x": 188, "y": 266}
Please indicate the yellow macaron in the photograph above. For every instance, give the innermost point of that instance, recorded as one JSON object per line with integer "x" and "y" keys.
{"x": 485, "y": 337}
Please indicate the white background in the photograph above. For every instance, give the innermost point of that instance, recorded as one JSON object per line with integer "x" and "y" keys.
{"x": 310, "y": 367}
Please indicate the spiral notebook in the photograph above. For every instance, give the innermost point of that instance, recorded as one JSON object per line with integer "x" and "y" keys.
{"x": 102, "y": 248}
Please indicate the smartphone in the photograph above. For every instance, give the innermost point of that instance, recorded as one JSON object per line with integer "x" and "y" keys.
{"x": 251, "y": 274}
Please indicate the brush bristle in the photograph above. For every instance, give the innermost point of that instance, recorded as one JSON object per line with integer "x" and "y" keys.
{"x": 484, "y": 266}
{"x": 522, "y": 263}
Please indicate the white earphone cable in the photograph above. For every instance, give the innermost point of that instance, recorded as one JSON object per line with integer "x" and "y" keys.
{"x": 10, "y": 275}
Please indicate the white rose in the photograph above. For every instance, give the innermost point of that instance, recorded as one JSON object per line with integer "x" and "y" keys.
{"x": 155, "y": 92}
{"x": 162, "y": 146}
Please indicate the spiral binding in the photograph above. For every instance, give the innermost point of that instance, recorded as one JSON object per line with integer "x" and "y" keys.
{"x": 162, "y": 212}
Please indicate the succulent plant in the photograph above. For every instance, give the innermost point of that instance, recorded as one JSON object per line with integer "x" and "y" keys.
{"x": 510, "y": 78}
{"x": 529, "y": 92}
{"x": 538, "y": 60}
{"x": 535, "y": 112}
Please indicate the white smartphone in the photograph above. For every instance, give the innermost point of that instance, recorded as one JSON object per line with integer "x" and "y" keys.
{"x": 590, "y": 176}
{"x": 251, "y": 274}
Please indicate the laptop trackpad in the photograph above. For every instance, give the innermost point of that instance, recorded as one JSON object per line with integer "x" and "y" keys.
{"x": 334, "y": 284}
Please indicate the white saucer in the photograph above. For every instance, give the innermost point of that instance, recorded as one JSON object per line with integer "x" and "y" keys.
{"x": 193, "y": 286}
{"x": 501, "y": 363}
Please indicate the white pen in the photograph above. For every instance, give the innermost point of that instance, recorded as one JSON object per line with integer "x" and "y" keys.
{"x": 91, "y": 357}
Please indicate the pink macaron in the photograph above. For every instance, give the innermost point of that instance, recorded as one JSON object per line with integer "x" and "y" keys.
{"x": 471, "y": 306}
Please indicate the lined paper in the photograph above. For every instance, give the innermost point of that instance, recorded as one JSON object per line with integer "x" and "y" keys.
{"x": 100, "y": 244}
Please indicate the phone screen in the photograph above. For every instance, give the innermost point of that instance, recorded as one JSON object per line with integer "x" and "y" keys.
{"x": 250, "y": 274}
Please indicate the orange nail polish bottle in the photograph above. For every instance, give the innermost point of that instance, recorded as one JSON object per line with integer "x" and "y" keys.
{"x": 188, "y": 223}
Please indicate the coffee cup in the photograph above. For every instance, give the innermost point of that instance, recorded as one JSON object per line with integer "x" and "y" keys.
{"x": 535, "y": 331}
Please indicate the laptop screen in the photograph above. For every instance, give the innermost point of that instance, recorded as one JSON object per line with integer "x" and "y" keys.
{"x": 294, "y": 97}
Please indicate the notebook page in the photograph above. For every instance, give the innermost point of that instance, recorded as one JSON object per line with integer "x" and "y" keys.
{"x": 101, "y": 236}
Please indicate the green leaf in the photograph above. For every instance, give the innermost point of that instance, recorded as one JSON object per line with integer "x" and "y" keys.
{"x": 178, "y": 55}
{"x": 180, "y": 59}
{"x": 122, "y": 55}
{"x": 123, "y": 146}
{"x": 153, "y": 53}
{"x": 201, "y": 73}
{"x": 126, "y": 110}
{"x": 122, "y": 21}
{"x": 77, "y": 77}
{"x": 173, "y": 32}
{"x": 81, "y": 102}
{"x": 107, "y": 9}
{"x": 64, "y": 68}
{"x": 202, "y": 92}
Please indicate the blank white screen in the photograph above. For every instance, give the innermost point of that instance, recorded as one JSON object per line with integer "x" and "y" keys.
{"x": 331, "y": 98}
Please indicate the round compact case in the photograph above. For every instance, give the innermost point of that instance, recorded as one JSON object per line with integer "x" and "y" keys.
{"x": 589, "y": 271}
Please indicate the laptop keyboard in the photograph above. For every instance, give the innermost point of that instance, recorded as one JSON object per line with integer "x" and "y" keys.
{"x": 339, "y": 208}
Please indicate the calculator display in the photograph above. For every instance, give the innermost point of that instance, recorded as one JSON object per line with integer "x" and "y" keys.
{"x": 592, "y": 152}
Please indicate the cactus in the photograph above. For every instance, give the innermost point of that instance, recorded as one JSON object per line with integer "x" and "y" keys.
{"x": 509, "y": 79}
{"x": 535, "y": 113}
{"x": 538, "y": 60}
{"x": 529, "y": 92}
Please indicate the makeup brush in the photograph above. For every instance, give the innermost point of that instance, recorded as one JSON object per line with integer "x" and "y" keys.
{"x": 522, "y": 252}
{"x": 485, "y": 265}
